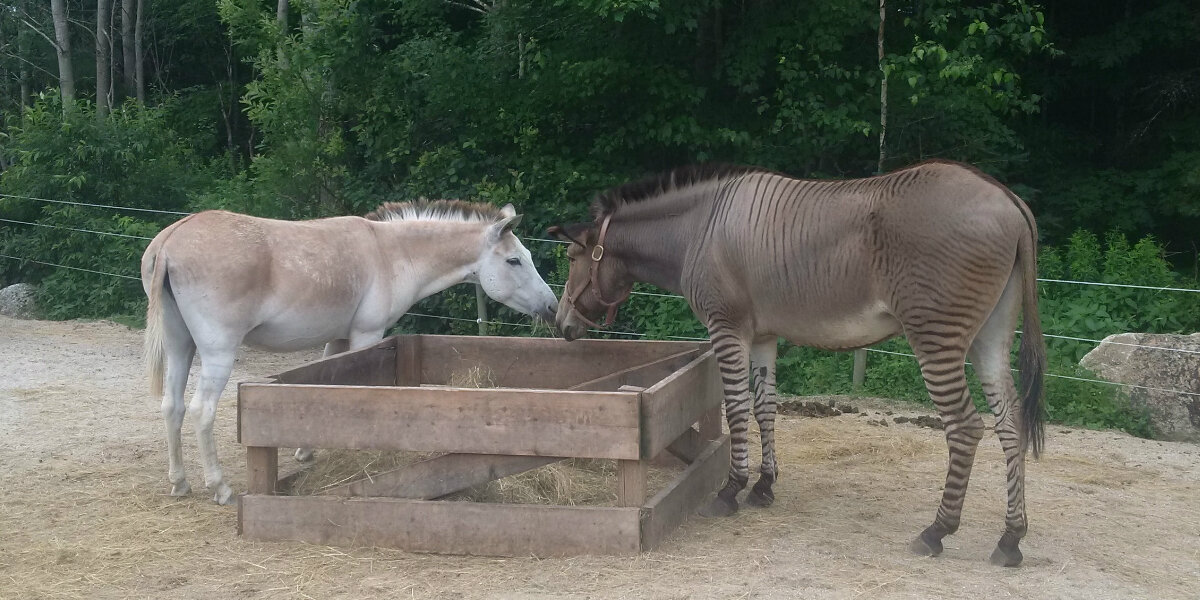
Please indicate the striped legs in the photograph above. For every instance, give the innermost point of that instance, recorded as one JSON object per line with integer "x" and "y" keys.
{"x": 762, "y": 372}
{"x": 945, "y": 379}
{"x": 990, "y": 355}
{"x": 733, "y": 362}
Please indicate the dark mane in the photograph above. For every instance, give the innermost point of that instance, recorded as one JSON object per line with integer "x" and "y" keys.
{"x": 435, "y": 210}
{"x": 609, "y": 200}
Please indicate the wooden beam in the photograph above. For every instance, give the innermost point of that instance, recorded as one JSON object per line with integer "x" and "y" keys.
{"x": 674, "y": 504}
{"x": 262, "y": 469}
{"x": 440, "y": 476}
{"x": 476, "y": 421}
{"x": 408, "y": 360}
{"x": 373, "y": 365}
{"x": 688, "y": 445}
{"x": 644, "y": 375}
{"x": 539, "y": 362}
{"x": 675, "y": 403}
{"x": 710, "y": 421}
{"x": 631, "y": 482}
{"x": 444, "y": 527}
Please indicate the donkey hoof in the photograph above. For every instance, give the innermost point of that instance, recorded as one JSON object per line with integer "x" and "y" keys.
{"x": 1002, "y": 557}
{"x": 760, "y": 499}
{"x": 925, "y": 546}
{"x": 304, "y": 454}
{"x": 720, "y": 507}
{"x": 181, "y": 489}
{"x": 224, "y": 495}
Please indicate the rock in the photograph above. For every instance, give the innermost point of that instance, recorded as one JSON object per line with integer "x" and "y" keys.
{"x": 1173, "y": 415}
{"x": 17, "y": 301}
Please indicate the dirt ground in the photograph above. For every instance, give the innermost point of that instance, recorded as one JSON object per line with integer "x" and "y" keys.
{"x": 84, "y": 511}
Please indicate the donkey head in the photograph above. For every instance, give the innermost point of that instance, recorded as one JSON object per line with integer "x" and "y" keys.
{"x": 507, "y": 273}
{"x": 597, "y": 282}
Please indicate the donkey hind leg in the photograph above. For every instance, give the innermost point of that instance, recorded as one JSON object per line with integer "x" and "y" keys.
{"x": 331, "y": 348}
{"x": 180, "y": 350}
{"x": 762, "y": 371}
{"x": 734, "y": 365}
{"x": 215, "y": 367}
{"x": 990, "y": 355}
{"x": 942, "y": 366}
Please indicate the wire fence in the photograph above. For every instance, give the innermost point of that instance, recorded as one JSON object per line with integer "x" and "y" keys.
{"x": 483, "y": 321}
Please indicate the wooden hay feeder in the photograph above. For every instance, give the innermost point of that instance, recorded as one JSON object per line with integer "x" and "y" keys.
{"x": 602, "y": 399}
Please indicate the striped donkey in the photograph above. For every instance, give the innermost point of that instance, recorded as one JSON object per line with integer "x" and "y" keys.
{"x": 938, "y": 252}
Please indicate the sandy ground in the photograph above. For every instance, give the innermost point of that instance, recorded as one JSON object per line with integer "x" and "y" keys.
{"x": 84, "y": 510}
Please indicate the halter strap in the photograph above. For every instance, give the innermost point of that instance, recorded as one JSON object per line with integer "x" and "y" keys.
{"x": 594, "y": 282}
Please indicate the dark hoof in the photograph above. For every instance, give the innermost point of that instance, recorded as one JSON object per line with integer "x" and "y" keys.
{"x": 760, "y": 500}
{"x": 926, "y": 545}
{"x": 720, "y": 506}
{"x": 1007, "y": 553}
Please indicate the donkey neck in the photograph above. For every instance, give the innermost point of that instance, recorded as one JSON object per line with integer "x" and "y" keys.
{"x": 651, "y": 237}
{"x": 424, "y": 257}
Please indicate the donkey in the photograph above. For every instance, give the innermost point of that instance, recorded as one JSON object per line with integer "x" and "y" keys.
{"x": 938, "y": 252}
{"x": 218, "y": 279}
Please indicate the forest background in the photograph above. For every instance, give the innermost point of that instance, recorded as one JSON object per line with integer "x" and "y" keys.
{"x": 1088, "y": 109}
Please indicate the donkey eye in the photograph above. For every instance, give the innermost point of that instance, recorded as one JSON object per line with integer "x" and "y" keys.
{"x": 516, "y": 262}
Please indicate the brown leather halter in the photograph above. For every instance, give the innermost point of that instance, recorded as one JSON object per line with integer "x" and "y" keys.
{"x": 594, "y": 283}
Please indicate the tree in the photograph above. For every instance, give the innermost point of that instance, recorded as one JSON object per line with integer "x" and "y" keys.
{"x": 103, "y": 58}
{"x": 62, "y": 46}
{"x": 139, "y": 65}
{"x": 128, "y": 46}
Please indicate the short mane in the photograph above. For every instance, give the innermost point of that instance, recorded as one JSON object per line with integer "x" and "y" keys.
{"x": 435, "y": 210}
{"x": 609, "y": 200}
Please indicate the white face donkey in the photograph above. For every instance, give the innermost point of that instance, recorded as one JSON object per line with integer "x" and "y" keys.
{"x": 216, "y": 280}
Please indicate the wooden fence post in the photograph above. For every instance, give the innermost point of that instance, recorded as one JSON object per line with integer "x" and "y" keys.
{"x": 481, "y": 309}
{"x": 860, "y": 368}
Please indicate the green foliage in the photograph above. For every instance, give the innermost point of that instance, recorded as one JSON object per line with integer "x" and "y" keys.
{"x": 132, "y": 159}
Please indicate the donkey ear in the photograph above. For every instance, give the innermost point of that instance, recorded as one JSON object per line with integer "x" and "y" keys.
{"x": 508, "y": 211}
{"x": 503, "y": 226}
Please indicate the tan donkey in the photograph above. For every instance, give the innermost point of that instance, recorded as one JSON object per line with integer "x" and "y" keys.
{"x": 216, "y": 280}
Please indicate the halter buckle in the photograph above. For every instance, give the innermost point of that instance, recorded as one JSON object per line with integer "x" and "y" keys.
{"x": 597, "y": 253}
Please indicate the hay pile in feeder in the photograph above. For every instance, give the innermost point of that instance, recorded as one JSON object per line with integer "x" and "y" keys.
{"x": 574, "y": 481}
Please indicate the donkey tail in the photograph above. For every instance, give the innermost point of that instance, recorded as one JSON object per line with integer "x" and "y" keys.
{"x": 153, "y": 352}
{"x": 1031, "y": 359}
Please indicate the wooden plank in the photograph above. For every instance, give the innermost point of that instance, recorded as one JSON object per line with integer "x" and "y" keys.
{"x": 672, "y": 506}
{"x": 239, "y": 406}
{"x": 710, "y": 421}
{"x": 644, "y": 375}
{"x": 475, "y": 421}
{"x": 439, "y": 526}
{"x": 631, "y": 483}
{"x": 262, "y": 469}
{"x": 373, "y": 365}
{"x": 408, "y": 360}
{"x": 675, "y": 403}
{"x": 541, "y": 363}
{"x": 688, "y": 445}
{"x": 440, "y": 476}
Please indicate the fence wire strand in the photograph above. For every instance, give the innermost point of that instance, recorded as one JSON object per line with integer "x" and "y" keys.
{"x": 626, "y": 333}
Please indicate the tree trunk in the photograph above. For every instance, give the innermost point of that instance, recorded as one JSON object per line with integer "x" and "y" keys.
{"x": 883, "y": 86}
{"x": 23, "y": 34}
{"x": 62, "y": 45}
{"x": 103, "y": 47}
{"x": 138, "y": 64}
{"x": 281, "y": 18}
{"x": 128, "y": 69}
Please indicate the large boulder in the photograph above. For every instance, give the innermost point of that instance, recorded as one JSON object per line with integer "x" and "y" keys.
{"x": 1171, "y": 362}
{"x": 17, "y": 301}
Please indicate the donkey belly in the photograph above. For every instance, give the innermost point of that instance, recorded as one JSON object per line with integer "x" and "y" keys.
{"x": 298, "y": 330}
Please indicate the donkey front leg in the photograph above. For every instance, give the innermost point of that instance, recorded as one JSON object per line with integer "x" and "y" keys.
{"x": 762, "y": 371}
{"x": 735, "y": 370}
{"x": 331, "y": 348}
